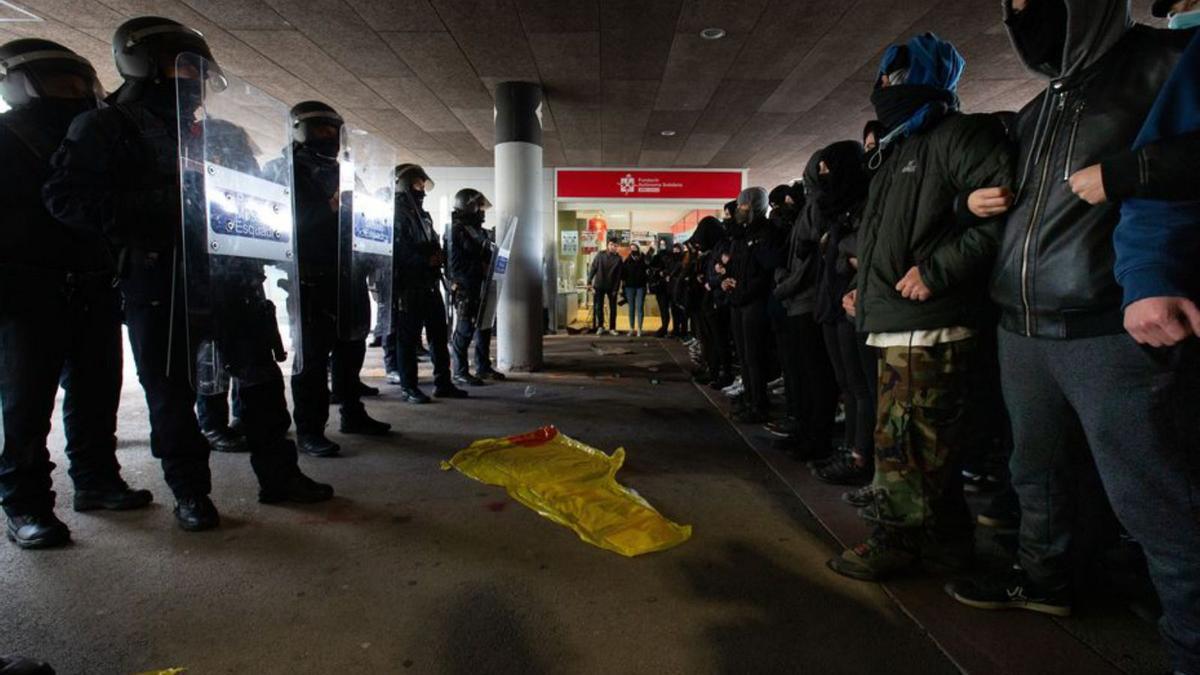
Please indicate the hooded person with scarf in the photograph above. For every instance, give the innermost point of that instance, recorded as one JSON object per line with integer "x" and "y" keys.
{"x": 1068, "y": 367}
{"x": 808, "y": 378}
{"x": 920, "y": 284}
{"x": 840, "y": 183}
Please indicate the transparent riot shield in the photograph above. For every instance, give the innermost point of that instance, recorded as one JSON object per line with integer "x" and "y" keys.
{"x": 365, "y": 234}
{"x": 497, "y": 271}
{"x": 240, "y": 279}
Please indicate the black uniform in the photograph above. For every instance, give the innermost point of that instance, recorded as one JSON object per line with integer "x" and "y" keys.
{"x": 117, "y": 173}
{"x": 60, "y": 323}
{"x": 469, "y": 261}
{"x": 754, "y": 254}
{"x": 317, "y": 181}
{"x": 418, "y": 277}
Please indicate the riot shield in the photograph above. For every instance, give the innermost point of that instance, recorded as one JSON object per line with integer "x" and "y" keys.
{"x": 497, "y": 270}
{"x": 365, "y": 233}
{"x": 240, "y": 277}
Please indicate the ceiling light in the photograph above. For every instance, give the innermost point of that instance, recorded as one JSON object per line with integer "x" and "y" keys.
{"x": 712, "y": 33}
{"x": 667, "y": 132}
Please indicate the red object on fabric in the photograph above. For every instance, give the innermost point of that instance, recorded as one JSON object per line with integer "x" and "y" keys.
{"x": 534, "y": 438}
{"x": 618, "y": 184}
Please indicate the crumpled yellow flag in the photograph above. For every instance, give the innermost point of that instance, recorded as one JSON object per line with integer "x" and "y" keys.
{"x": 573, "y": 485}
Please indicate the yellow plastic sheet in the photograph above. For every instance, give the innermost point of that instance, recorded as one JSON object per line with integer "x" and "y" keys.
{"x": 573, "y": 485}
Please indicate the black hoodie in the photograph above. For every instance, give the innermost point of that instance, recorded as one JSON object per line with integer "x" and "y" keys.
{"x": 839, "y": 198}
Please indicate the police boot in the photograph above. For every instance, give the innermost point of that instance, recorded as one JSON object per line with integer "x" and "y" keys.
{"x": 365, "y": 390}
{"x": 117, "y": 498}
{"x": 196, "y": 514}
{"x": 225, "y": 440}
{"x": 362, "y": 423}
{"x": 38, "y": 530}
{"x": 316, "y": 445}
{"x": 294, "y": 487}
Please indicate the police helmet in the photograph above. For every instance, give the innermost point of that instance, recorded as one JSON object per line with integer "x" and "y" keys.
{"x": 469, "y": 200}
{"x": 30, "y": 68}
{"x": 311, "y": 114}
{"x": 141, "y": 46}
{"x": 408, "y": 174}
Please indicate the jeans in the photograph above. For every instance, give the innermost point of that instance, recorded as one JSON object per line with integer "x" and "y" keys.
{"x": 1139, "y": 409}
{"x": 72, "y": 342}
{"x": 598, "y": 308}
{"x": 636, "y": 298}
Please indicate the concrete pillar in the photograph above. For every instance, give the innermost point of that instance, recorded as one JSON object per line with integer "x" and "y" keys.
{"x": 519, "y": 194}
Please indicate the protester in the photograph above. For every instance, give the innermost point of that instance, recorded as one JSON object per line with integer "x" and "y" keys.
{"x": 918, "y": 293}
{"x": 604, "y": 277}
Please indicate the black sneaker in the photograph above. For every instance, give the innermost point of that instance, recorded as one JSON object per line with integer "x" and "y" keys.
{"x": 225, "y": 440}
{"x": 296, "y": 488}
{"x": 494, "y": 375}
{"x": 120, "y": 498}
{"x": 1014, "y": 590}
{"x": 468, "y": 380}
{"x": 316, "y": 445}
{"x": 196, "y": 514}
{"x": 364, "y": 425}
{"x": 844, "y": 469}
{"x": 784, "y": 428}
{"x": 36, "y": 531}
{"x": 1002, "y": 513}
{"x": 450, "y": 391}
{"x": 366, "y": 391}
{"x": 976, "y": 483}
{"x": 860, "y": 498}
{"x": 749, "y": 416}
{"x": 414, "y": 395}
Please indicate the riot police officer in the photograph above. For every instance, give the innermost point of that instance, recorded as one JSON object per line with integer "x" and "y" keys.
{"x": 118, "y": 173}
{"x": 469, "y": 266}
{"x": 417, "y": 279}
{"x": 316, "y": 133}
{"x": 60, "y": 317}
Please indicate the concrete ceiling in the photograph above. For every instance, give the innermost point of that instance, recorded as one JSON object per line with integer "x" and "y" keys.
{"x": 789, "y": 77}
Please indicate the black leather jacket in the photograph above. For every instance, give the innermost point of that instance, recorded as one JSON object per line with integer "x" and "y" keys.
{"x": 1054, "y": 275}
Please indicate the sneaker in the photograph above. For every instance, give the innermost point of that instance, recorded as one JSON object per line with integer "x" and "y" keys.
{"x": 494, "y": 375}
{"x": 614, "y": 333}
{"x": 393, "y": 378}
{"x": 882, "y": 555}
{"x": 1014, "y": 590}
{"x": 639, "y": 333}
{"x": 784, "y": 428}
{"x": 1002, "y": 513}
{"x": 468, "y": 380}
{"x": 776, "y": 383}
{"x": 450, "y": 391}
{"x": 860, "y": 498}
{"x": 844, "y": 469}
{"x": 599, "y": 331}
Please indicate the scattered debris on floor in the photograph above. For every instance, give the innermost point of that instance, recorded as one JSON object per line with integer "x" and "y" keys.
{"x": 575, "y": 486}
{"x": 610, "y": 350}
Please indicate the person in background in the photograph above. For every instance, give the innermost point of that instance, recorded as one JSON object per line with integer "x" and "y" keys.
{"x": 918, "y": 292}
{"x": 707, "y": 236}
{"x": 747, "y": 272}
{"x": 678, "y": 282}
{"x": 660, "y": 284}
{"x": 604, "y": 277}
{"x": 809, "y": 385}
{"x": 840, "y": 188}
{"x": 633, "y": 283}
{"x": 1071, "y": 361}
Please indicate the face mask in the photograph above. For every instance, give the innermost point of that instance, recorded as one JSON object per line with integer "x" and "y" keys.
{"x": 1040, "y": 32}
{"x": 326, "y": 147}
{"x": 1184, "y": 20}
{"x": 60, "y": 112}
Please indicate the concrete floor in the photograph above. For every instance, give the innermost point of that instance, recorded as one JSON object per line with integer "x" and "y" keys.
{"x": 412, "y": 569}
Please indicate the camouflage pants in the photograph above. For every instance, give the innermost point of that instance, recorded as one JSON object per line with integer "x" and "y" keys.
{"x": 920, "y": 432}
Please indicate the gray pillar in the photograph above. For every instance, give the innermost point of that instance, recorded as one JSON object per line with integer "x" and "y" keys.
{"x": 518, "y": 193}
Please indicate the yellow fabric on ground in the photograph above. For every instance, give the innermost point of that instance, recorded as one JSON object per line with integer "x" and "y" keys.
{"x": 573, "y": 485}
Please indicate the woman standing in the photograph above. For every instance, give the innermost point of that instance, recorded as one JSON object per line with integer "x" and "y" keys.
{"x": 634, "y": 274}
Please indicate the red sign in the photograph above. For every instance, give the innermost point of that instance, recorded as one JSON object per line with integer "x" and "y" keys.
{"x": 649, "y": 184}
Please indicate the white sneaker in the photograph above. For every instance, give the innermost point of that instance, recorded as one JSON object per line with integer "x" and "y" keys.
{"x": 639, "y": 333}
{"x": 599, "y": 331}
{"x": 776, "y": 383}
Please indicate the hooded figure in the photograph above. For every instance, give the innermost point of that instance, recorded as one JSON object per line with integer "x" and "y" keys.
{"x": 1066, "y": 363}
{"x": 921, "y": 86}
{"x": 840, "y": 194}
